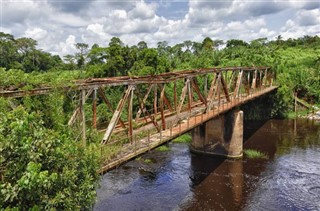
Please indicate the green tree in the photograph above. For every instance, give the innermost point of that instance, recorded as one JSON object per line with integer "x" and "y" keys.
{"x": 187, "y": 44}
{"x": 163, "y": 48}
{"x": 82, "y": 53}
{"x": 217, "y": 43}
{"x": 42, "y": 169}
{"x": 70, "y": 62}
{"x": 115, "y": 61}
{"x": 8, "y": 50}
{"x": 142, "y": 45}
{"x": 236, "y": 43}
{"x": 26, "y": 45}
{"x": 97, "y": 54}
{"x": 196, "y": 48}
{"x": 207, "y": 44}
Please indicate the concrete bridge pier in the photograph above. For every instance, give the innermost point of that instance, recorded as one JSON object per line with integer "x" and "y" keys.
{"x": 222, "y": 136}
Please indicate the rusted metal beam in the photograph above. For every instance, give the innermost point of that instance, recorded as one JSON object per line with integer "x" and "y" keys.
{"x": 163, "y": 121}
{"x": 94, "y": 109}
{"x": 206, "y": 86}
{"x": 189, "y": 96}
{"x": 109, "y": 105}
{"x": 130, "y": 129}
{"x": 212, "y": 87}
{"x": 219, "y": 89}
{"x": 225, "y": 88}
{"x": 165, "y": 98}
{"x": 238, "y": 85}
{"x": 264, "y": 80}
{"x": 143, "y": 102}
{"x": 270, "y": 78}
{"x": 215, "y": 90}
{"x": 77, "y": 111}
{"x": 231, "y": 82}
{"x": 254, "y": 80}
{"x": 116, "y": 115}
{"x": 155, "y": 102}
{"x": 246, "y": 83}
{"x": 197, "y": 89}
{"x": 183, "y": 95}
{"x": 126, "y": 80}
{"x": 146, "y": 113}
{"x": 24, "y": 93}
{"x": 74, "y": 116}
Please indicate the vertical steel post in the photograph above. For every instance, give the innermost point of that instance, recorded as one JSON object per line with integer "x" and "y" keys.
{"x": 155, "y": 104}
{"x": 130, "y": 129}
{"x": 83, "y": 100}
{"x": 94, "y": 108}
{"x": 175, "y": 95}
{"x": 163, "y": 121}
{"x": 189, "y": 96}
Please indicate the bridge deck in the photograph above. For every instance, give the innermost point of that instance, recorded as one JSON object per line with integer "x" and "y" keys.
{"x": 164, "y": 105}
{"x": 186, "y": 123}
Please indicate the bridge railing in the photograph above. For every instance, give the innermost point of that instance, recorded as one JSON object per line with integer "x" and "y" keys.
{"x": 167, "y": 117}
{"x": 153, "y": 102}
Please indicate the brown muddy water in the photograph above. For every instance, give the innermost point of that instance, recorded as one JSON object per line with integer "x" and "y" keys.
{"x": 289, "y": 179}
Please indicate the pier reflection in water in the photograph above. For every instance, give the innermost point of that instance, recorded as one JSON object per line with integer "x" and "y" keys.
{"x": 177, "y": 180}
{"x": 222, "y": 188}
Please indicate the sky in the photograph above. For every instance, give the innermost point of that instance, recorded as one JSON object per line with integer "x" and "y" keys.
{"x": 58, "y": 24}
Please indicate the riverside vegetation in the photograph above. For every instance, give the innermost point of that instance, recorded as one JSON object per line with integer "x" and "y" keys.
{"x": 42, "y": 163}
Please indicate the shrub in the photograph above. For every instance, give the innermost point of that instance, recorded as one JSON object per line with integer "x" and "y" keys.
{"x": 41, "y": 168}
{"x": 251, "y": 153}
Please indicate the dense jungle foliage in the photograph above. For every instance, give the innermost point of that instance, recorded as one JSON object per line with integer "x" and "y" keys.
{"x": 296, "y": 61}
{"x": 42, "y": 163}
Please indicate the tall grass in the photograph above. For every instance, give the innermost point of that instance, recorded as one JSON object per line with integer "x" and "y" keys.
{"x": 254, "y": 154}
{"x": 163, "y": 148}
{"x": 185, "y": 138}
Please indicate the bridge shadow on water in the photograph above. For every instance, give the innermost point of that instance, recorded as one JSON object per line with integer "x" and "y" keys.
{"x": 178, "y": 180}
{"x": 203, "y": 165}
{"x": 183, "y": 180}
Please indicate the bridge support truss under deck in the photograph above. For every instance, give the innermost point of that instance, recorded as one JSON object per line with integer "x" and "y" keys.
{"x": 157, "y": 108}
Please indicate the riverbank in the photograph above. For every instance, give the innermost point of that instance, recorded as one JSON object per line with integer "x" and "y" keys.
{"x": 311, "y": 114}
{"x": 314, "y": 116}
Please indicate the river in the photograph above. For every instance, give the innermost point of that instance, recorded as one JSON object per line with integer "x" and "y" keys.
{"x": 289, "y": 179}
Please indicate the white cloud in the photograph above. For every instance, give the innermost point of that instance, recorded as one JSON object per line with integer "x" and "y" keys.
{"x": 289, "y": 24}
{"x": 18, "y": 12}
{"x": 97, "y": 29}
{"x": 255, "y": 23}
{"x": 304, "y": 22}
{"x": 143, "y": 10}
{"x": 68, "y": 46}
{"x": 95, "y": 33}
{"x": 58, "y": 26}
{"x": 308, "y": 17}
{"x": 6, "y": 30}
{"x": 119, "y": 14}
{"x": 68, "y": 20}
{"x": 36, "y": 33}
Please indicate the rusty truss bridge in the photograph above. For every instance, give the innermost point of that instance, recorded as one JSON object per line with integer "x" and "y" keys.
{"x": 157, "y": 108}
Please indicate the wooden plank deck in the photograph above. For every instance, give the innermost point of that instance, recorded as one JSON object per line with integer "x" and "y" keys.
{"x": 186, "y": 123}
